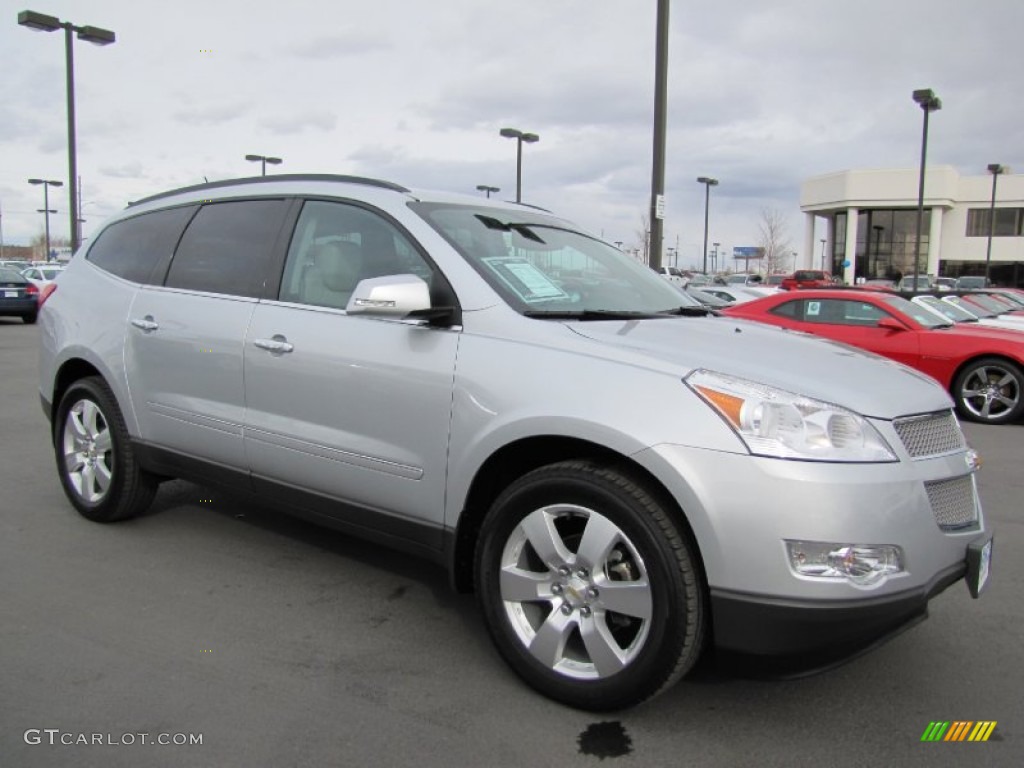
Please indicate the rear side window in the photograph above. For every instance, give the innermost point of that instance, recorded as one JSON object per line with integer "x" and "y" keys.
{"x": 227, "y": 247}
{"x": 131, "y": 248}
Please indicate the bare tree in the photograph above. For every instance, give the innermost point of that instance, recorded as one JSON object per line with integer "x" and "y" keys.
{"x": 643, "y": 237}
{"x": 774, "y": 239}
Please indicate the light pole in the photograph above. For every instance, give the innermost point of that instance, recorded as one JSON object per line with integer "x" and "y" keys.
{"x": 657, "y": 209}
{"x": 98, "y": 36}
{"x": 47, "y": 183}
{"x": 708, "y": 183}
{"x": 520, "y": 137}
{"x": 487, "y": 189}
{"x": 929, "y": 102}
{"x": 823, "y": 241}
{"x": 263, "y": 160}
{"x": 995, "y": 169}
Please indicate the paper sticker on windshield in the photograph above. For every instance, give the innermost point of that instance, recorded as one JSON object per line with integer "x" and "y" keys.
{"x": 813, "y": 308}
{"x": 530, "y": 283}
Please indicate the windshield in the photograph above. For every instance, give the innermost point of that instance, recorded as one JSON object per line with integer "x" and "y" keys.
{"x": 803, "y": 275}
{"x": 1016, "y": 298}
{"x": 975, "y": 309}
{"x": 541, "y": 266}
{"x": 946, "y": 309}
{"x": 923, "y": 316}
{"x": 988, "y": 303}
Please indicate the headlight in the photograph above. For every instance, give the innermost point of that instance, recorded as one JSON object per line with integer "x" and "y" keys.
{"x": 784, "y": 425}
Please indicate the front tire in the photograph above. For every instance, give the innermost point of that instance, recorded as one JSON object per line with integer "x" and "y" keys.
{"x": 590, "y": 590}
{"x": 990, "y": 391}
{"x": 97, "y": 466}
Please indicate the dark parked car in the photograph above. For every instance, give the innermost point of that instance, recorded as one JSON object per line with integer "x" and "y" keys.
{"x": 18, "y": 296}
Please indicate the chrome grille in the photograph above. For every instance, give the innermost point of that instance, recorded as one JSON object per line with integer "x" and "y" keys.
{"x": 953, "y": 502}
{"x": 931, "y": 435}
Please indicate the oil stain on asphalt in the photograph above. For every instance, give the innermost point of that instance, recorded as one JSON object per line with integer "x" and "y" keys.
{"x": 605, "y": 740}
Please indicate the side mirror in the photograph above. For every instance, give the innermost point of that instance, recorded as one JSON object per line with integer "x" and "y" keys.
{"x": 389, "y": 296}
{"x": 891, "y": 324}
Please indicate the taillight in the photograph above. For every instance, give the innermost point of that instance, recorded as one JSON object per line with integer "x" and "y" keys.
{"x": 32, "y": 290}
{"x": 47, "y": 291}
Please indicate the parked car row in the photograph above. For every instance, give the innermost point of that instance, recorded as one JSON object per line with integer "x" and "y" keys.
{"x": 621, "y": 475}
{"x": 981, "y": 366}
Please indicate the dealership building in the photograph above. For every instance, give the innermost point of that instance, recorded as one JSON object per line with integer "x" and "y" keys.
{"x": 862, "y": 224}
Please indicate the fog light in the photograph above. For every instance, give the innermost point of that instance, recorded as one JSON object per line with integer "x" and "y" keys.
{"x": 863, "y": 565}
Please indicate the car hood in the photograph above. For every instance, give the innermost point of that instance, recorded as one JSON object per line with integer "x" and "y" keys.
{"x": 863, "y": 382}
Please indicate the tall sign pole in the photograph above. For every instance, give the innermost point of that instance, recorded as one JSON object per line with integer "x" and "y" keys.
{"x": 660, "y": 110}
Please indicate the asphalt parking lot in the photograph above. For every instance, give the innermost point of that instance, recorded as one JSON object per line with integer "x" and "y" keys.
{"x": 281, "y": 644}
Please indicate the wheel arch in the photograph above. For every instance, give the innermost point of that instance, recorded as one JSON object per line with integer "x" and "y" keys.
{"x": 70, "y": 371}
{"x": 521, "y": 456}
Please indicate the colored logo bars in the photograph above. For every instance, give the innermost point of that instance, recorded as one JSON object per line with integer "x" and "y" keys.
{"x": 959, "y": 730}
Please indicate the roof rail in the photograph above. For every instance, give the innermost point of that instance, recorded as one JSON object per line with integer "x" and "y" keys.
{"x": 276, "y": 177}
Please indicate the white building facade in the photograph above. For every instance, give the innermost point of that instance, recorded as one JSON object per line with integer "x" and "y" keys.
{"x": 863, "y": 224}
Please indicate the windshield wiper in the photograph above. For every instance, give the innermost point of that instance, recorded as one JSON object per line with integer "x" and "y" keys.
{"x": 589, "y": 314}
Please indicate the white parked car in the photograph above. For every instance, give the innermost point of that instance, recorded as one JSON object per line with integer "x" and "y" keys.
{"x": 40, "y": 276}
{"x": 960, "y": 313}
{"x": 737, "y": 294}
{"x": 674, "y": 275}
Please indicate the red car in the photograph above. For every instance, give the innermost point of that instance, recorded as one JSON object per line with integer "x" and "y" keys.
{"x": 982, "y": 367}
{"x": 806, "y": 278}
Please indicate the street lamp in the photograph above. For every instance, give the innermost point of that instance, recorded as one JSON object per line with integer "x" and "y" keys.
{"x": 657, "y": 209}
{"x": 263, "y": 160}
{"x": 929, "y": 102}
{"x": 520, "y": 137}
{"x": 97, "y": 36}
{"x": 708, "y": 183}
{"x": 47, "y": 183}
{"x": 487, "y": 189}
{"x": 995, "y": 169}
{"x": 823, "y": 241}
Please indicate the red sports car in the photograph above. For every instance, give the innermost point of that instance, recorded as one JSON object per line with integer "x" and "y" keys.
{"x": 982, "y": 367}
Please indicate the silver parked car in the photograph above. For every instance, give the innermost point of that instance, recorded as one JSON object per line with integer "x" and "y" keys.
{"x": 622, "y": 477}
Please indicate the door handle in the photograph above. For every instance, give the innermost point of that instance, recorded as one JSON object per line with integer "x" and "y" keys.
{"x": 278, "y": 345}
{"x": 146, "y": 324}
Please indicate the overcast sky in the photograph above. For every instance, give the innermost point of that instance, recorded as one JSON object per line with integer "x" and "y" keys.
{"x": 761, "y": 96}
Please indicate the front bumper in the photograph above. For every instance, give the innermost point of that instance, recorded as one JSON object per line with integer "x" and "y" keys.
{"x": 816, "y": 633}
{"x": 742, "y": 509}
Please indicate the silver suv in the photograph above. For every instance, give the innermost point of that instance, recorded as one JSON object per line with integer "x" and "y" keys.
{"x": 623, "y": 478}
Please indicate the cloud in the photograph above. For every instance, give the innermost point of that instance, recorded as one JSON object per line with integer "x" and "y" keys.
{"x": 132, "y": 170}
{"x": 300, "y": 121}
{"x": 211, "y": 114}
{"x": 347, "y": 43}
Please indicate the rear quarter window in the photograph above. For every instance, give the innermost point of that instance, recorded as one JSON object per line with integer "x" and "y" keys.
{"x": 132, "y": 248}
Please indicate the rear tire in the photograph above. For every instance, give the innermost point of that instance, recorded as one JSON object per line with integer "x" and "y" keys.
{"x": 29, "y": 319}
{"x": 95, "y": 460}
{"x": 990, "y": 390}
{"x": 590, "y": 590}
